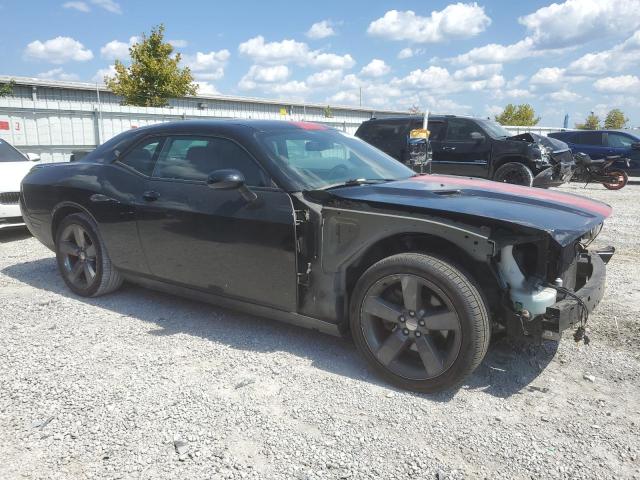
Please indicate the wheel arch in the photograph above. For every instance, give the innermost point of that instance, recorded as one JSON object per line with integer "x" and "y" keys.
{"x": 420, "y": 242}
{"x": 64, "y": 209}
{"x": 511, "y": 158}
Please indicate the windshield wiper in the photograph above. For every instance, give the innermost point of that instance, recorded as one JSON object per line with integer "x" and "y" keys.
{"x": 357, "y": 181}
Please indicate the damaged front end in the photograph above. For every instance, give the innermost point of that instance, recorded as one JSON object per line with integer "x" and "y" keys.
{"x": 553, "y": 159}
{"x": 543, "y": 298}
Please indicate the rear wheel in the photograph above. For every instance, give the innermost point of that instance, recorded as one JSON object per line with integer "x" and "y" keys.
{"x": 419, "y": 322}
{"x": 82, "y": 259}
{"x": 618, "y": 180}
{"x": 515, "y": 173}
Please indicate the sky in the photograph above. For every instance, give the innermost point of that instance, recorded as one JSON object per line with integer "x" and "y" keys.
{"x": 570, "y": 57}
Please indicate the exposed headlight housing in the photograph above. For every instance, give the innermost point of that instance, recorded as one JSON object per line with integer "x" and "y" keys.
{"x": 591, "y": 235}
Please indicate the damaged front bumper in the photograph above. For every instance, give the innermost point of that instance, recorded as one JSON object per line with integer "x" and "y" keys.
{"x": 569, "y": 311}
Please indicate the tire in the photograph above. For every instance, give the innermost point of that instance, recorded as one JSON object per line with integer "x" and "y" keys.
{"x": 432, "y": 348}
{"x": 621, "y": 179}
{"x": 515, "y": 173}
{"x": 82, "y": 259}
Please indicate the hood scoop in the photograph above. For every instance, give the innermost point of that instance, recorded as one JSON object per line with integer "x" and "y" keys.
{"x": 446, "y": 193}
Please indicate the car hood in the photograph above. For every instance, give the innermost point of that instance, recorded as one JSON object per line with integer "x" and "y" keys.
{"x": 565, "y": 217}
{"x": 12, "y": 173}
{"x": 553, "y": 144}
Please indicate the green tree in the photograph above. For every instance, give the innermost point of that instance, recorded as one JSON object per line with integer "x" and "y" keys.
{"x": 154, "y": 75}
{"x": 520, "y": 115}
{"x": 615, "y": 119}
{"x": 327, "y": 112}
{"x": 592, "y": 122}
{"x": 6, "y": 89}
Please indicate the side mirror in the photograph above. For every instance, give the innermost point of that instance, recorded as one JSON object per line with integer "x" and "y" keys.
{"x": 230, "y": 179}
{"x": 34, "y": 157}
{"x": 478, "y": 137}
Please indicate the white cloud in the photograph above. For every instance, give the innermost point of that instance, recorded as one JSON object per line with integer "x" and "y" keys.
{"x": 58, "y": 74}
{"x": 616, "y": 59}
{"x": 493, "y": 110}
{"x": 274, "y": 52}
{"x": 475, "y": 72}
{"x": 405, "y": 53}
{"x": 294, "y": 87}
{"x": 548, "y": 76}
{"x": 494, "y": 82}
{"x": 259, "y": 75}
{"x": 375, "y": 68}
{"x": 208, "y": 66}
{"x": 496, "y": 53}
{"x": 178, "y": 43}
{"x": 321, "y": 29}
{"x": 291, "y": 51}
{"x": 108, "y": 5}
{"x": 331, "y": 60}
{"x": 103, "y": 72}
{"x": 58, "y": 50}
{"x": 205, "y": 88}
{"x": 577, "y": 21}
{"x": 431, "y": 78}
{"x": 324, "y": 78}
{"x": 80, "y": 6}
{"x": 117, "y": 50}
{"x": 517, "y": 93}
{"x": 345, "y": 98}
{"x": 458, "y": 20}
{"x": 620, "y": 84}
{"x": 564, "y": 95}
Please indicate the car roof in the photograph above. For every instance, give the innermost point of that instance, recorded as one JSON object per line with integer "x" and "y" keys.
{"x": 229, "y": 123}
{"x": 419, "y": 116}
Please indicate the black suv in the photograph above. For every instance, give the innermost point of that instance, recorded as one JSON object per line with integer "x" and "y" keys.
{"x": 476, "y": 147}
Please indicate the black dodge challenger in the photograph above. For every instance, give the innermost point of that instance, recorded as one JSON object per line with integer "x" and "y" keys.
{"x": 302, "y": 223}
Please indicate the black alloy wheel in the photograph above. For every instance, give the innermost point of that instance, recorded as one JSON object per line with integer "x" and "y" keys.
{"x": 515, "y": 173}
{"x": 82, "y": 258}
{"x": 420, "y": 322}
{"x": 78, "y": 256}
{"x": 411, "y": 326}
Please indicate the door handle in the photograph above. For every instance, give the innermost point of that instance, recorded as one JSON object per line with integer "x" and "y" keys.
{"x": 151, "y": 196}
{"x": 448, "y": 148}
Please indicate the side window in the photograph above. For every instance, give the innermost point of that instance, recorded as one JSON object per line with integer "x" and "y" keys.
{"x": 619, "y": 140}
{"x": 459, "y": 130}
{"x": 589, "y": 138}
{"x": 194, "y": 158}
{"x": 436, "y": 130}
{"x": 143, "y": 156}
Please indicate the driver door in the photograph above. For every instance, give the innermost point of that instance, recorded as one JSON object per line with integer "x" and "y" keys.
{"x": 459, "y": 153}
{"x": 214, "y": 240}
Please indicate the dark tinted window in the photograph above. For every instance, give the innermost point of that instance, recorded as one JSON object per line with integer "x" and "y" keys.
{"x": 194, "y": 158}
{"x": 389, "y": 136}
{"x": 10, "y": 154}
{"x": 459, "y": 129}
{"x": 143, "y": 156}
{"x": 619, "y": 140}
{"x": 564, "y": 136}
{"x": 436, "y": 130}
{"x": 589, "y": 138}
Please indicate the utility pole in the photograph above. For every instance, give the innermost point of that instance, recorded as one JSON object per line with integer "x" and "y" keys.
{"x": 361, "y": 96}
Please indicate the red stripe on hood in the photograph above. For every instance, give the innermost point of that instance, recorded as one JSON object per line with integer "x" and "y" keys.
{"x": 539, "y": 193}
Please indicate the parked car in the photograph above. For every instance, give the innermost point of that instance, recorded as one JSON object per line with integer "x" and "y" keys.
{"x": 303, "y": 223}
{"x": 599, "y": 144}
{"x": 14, "y": 165}
{"x": 477, "y": 148}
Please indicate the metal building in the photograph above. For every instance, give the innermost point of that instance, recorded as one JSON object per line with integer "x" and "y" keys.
{"x": 54, "y": 118}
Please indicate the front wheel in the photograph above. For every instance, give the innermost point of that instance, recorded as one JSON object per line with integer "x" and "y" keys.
{"x": 420, "y": 322}
{"x": 82, "y": 258}
{"x": 618, "y": 180}
{"x": 515, "y": 173}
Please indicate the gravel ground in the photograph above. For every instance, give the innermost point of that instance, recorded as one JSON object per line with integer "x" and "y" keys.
{"x": 142, "y": 385}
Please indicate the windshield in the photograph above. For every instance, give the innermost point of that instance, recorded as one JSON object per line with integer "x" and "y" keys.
{"x": 10, "y": 154}
{"x": 494, "y": 129}
{"x": 318, "y": 159}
